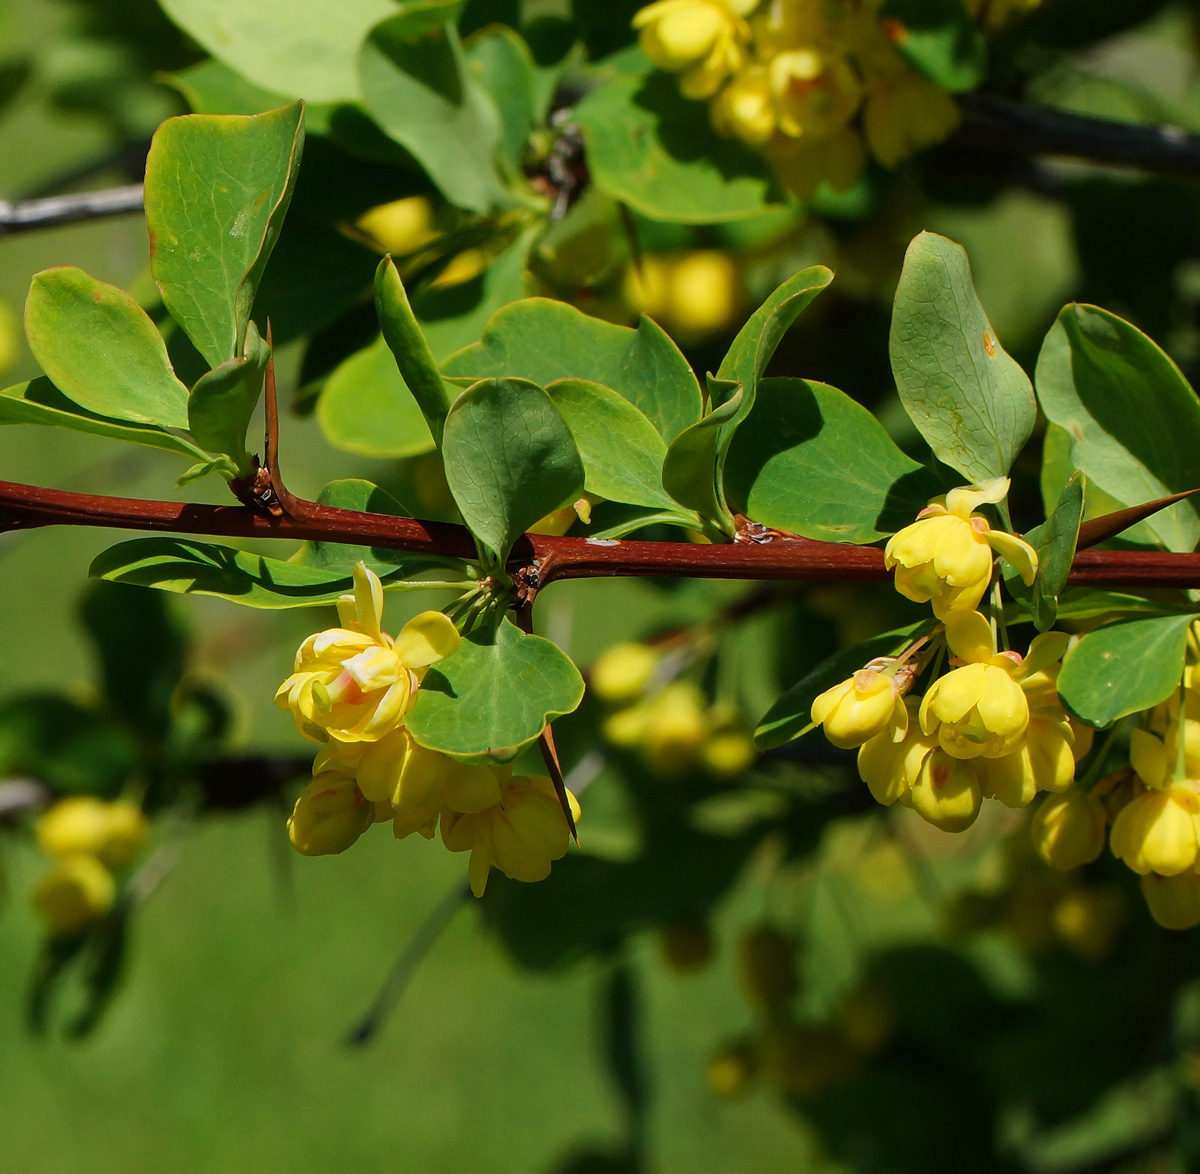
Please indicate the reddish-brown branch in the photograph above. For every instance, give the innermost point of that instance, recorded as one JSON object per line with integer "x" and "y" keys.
{"x": 543, "y": 558}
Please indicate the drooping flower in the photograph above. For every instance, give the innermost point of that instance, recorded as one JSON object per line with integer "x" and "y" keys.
{"x": 890, "y": 768}
{"x": 76, "y": 893}
{"x": 355, "y": 683}
{"x": 85, "y": 825}
{"x": 330, "y": 814}
{"x": 623, "y": 672}
{"x": 861, "y": 707}
{"x": 978, "y": 709}
{"x": 744, "y": 109}
{"x": 521, "y": 835}
{"x": 1174, "y": 901}
{"x": 947, "y": 792}
{"x": 1068, "y": 829}
{"x": 945, "y": 557}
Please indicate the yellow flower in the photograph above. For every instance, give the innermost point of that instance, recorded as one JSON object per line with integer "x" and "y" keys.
{"x": 76, "y": 893}
{"x": 521, "y": 835}
{"x": 401, "y": 227}
{"x": 947, "y": 792}
{"x": 1174, "y": 901}
{"x": 623, "y": 672}
{"x": 675, "y": 727}
{"x": 728, "y": 753}
{"x": 415, "y": 783}
{"x": 703, "y": 40}
{"x": 1157, "y": 831}
{"x": 1044, "y": 760}
{"x": 1068, "y": 829}
{"x": 744, "y": 109}
{"x": 815, "y": 93}
{"x": 945, "y": 557}
{"x": 978, "y": 709}
{"x": 85, "y": 825}
{"x": 904, "y": 115}
{"x": 860, "y": 707}
{"x": 354, "y": 683}
{"x": 890, "y": 768}
{"x": 330, "y": 814}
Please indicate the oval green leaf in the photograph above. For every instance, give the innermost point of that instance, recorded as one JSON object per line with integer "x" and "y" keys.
{"x": 494, "y": 696}
{"x": 510, "y": 460}
{"x": 622, "y": 453}
{"x": 811, "y": 460}
{"x": 1131, "y": 416}
{"x": 208, "y": 255}
{"x": 1124, "y": 667}
{"x": 99, "y": 347}
{"x": 967, "y": 397}
{"x": 223, "y": 401}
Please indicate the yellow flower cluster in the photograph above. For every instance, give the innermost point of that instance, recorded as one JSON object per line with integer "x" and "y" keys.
{"x": 89, "y": 840}
{"x": 351, "y": 690}
{"x": 990, "y": 728}
{"x": 814, "y": 84}
{"x": 671, "y": 725}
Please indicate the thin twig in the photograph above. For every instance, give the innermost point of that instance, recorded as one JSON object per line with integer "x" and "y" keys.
{"x": 55, "y": 210}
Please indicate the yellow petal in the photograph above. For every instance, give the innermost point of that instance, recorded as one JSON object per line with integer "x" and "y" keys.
{"x": 970, "y": 636}
{"x": 1044, "y": 651}
{"x": 1148, "y": 756}
{"x": 968, "y": 498}
{"x": 426, "y": 639}
{"x": 1017, "y": 551}
{"x": 368, "y": 600}
{"x": 956, "y": 694}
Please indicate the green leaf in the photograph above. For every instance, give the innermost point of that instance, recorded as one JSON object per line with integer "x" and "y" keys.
{"x": 99, "y": 347}
{"x": 366, "y": 407}
{"x": 40, "y": 402}
{"x": 222, "y": 402}
{"x": 417, "y": 86}
{"x": 939, "y": 39}
{"x": 791, "y": 716}
{"x": 187, "y": 567}
{"x": 403, "y": 335}
{"x": 142, "y": 650}
{"x": 613, "y": 520}
{"x": 811, "y": 460}
{"x": 692, "y": 469}
{"x": 967, "y": 397}
{"x": 1124, "y": 667}
{"x": 622, "y": 453}
{"x": 1054, "y": 540}
{"x": 656, "y": 151}
{"x": 501, "y": 60}
{"x": 510, "y": 460}
{"x": 301, "y": 48}
{"x": 494, "y": 696}
{"x": 211, "y": 87}
{"x": 208, "y": 255}
{"x": 454, "y": 316}
{"x": 543, "y": 340}
{"x": 1133, "y": 419}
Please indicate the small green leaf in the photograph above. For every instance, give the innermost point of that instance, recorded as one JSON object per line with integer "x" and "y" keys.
{"x": 208, "y": 255}
{"x": 223, "y": 401}
{"x": 302, "y": 48}
{"x": 613, "y": 520}
{"x": 1054, "y": 540}
{"x": 211, "y": 87}
{"x": 403, "y": 335}
{"x": 692, "y": 468}
{"x": 653, "y": 149}
{"x": 811, "y": 460}
{"x": 939, "y": 39}
{"x": 791, "y": 716}
{"x": 622, "y": 453}
{"x": 99, "y": 347}
{"x": 543, "y": 340}
{"x": 40, "y": 402}
{"x": 1124, "y": 667}
{"x": 417, "y": 86}
{"x": 494, "y": 696}
{"x": 510, "y": 460}
{"x": 204, "y": 568}
{"x": 967, "y": 397}
{"x": 367, "y": 409}
{"x": 1133, "y": 420}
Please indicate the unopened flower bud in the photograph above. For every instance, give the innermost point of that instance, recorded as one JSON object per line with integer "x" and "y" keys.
{"x": 1174, "y": 901}
{"x": 947, "y": 792}
{"x": 621, "y": 673}
{"x": 1068, "y": 829}
{"x": 857, "y": 709}
{"x": 76, "y": 893}
{"x": 329, "y": 816}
